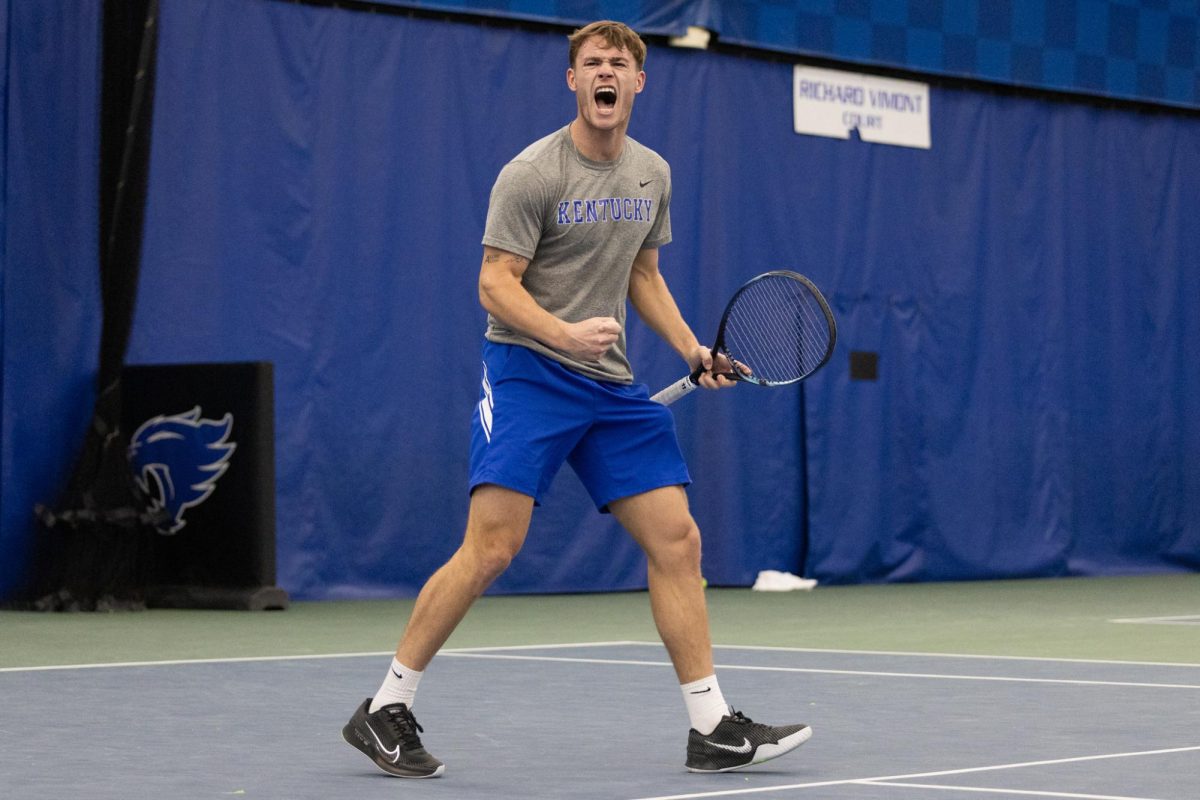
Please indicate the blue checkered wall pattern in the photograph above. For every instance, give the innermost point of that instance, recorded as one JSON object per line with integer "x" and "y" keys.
{"x": 1145, "y": 50}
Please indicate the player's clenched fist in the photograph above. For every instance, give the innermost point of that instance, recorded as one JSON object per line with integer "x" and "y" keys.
{"x": 590, "y": 338}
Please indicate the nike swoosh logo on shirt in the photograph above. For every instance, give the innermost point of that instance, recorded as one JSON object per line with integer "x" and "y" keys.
{"x": 744, "y": 748}
{"x": 642, "y": 184}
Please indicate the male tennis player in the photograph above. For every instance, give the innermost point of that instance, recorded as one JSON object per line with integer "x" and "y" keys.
{"x": 573, "y": 229}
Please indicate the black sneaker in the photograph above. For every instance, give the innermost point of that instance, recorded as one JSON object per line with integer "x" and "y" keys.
{"x": 738, "y": 742}
{"x": 389, "y": 738}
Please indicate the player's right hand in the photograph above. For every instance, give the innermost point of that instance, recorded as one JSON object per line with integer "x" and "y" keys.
{"x": 590, "y": 339}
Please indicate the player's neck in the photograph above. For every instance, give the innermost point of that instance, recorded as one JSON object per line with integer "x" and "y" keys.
{"x": 597, "y": 145}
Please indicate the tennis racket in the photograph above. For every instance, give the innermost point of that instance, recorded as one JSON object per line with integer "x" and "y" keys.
{"x": 777, "y": 329}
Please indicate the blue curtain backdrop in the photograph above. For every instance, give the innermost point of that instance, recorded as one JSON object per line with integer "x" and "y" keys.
{"x": 1027, "y": 287}
{"x": 49, "y": 284}
{"x": 319, "y": 182}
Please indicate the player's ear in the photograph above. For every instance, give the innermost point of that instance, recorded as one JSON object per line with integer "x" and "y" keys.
{"x": 571, "y": 78}
{"x": 641, "y": 82}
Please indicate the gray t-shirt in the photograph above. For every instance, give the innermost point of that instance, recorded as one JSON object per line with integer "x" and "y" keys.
{"x": 580, "y": 223}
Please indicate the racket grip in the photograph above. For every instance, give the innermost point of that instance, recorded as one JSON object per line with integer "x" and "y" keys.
{"x": 676, "y": 390}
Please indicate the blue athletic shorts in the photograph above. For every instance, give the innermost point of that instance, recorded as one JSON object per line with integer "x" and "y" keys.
{"x": 533, "y": 414}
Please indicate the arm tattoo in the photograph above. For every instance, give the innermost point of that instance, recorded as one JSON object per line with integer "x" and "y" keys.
{"x": 492, "y": 258}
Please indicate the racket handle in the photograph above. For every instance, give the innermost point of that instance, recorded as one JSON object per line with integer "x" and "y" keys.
{"x": 676, "y": 390}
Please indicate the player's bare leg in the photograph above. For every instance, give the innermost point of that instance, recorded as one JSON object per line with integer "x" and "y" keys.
{"x": 660, "y": 522}
{"x": 721, "y": 739}
{"x": 384, "y": 727}
{"x": 497, "y": 523}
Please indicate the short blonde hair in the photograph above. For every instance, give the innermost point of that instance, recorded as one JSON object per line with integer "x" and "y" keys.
{"x": 615, "y": 34}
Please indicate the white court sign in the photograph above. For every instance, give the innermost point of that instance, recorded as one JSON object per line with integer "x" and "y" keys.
{"x": 832, "y": 103}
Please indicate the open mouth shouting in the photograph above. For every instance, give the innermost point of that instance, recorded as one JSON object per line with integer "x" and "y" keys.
{"x": 605, "y": 98}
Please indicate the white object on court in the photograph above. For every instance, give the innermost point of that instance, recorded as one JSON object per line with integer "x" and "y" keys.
{"x": 770, "y": 580}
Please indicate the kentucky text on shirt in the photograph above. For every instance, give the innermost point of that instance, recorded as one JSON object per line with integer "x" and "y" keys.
{"x": 607, "y": 209}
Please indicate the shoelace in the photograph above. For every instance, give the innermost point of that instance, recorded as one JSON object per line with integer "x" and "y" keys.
{"x": 405, "y": 726}
{"x": 739, "y": 718}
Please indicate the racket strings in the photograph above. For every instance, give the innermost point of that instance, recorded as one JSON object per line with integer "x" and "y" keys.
{"x": 777, "y": 331}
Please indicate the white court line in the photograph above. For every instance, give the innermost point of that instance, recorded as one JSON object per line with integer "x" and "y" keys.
{"x": 915, "y": 654}
{"x": 1189, "y": 619}
{"x": 967, "y": 771}
{"x": 496, "y": 652}
{"x": 815, "y": 671}
{"x": 615, "y": 643}
{"x": 986, "y": 790}
{"x": 491, "y": 653}
{"x": 300, "y": 657}
{"x": 175, "y": 662}
{"x": 564, "y": 646}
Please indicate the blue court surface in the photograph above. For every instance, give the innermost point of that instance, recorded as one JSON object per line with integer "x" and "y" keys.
{"x": 605, "y": 720}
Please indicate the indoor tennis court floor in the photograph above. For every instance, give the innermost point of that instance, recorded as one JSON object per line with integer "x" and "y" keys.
{"x": 1008, "y": 715}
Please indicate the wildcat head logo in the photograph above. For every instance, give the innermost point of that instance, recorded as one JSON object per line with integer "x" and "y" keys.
{"x": 177, "y": 459}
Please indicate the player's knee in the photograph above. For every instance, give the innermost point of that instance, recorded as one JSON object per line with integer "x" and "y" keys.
{"x": 678, "y": 546}
{"x": 491, "y": 548}
{"x": 689, "y": 543}
{"x": 491, "y": 564}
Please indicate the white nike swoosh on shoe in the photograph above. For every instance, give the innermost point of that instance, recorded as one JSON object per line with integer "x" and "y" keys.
{"x": 393, "y": 754}
{"x": 745, "y": 746}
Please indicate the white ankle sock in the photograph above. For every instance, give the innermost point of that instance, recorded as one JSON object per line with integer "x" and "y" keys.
{"x": 400, "y": 686}
{"x": 705, "y": 703}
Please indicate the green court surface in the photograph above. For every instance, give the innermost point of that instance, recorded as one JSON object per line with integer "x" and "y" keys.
{"x": 1059, "y": 618}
